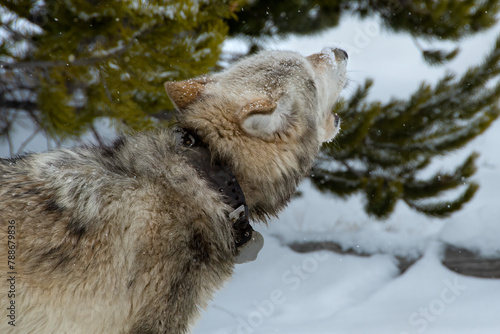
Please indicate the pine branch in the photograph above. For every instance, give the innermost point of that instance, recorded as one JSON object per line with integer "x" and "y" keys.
{"x": 391, "y": 143}
{"x": 381, "y": 196}
{"x": 101, "y": 56}
{"x": 344, "y": 185}
{"x": 445, "y": 208}
{"x": 27, "y": 141}
{"x": 20, "y": 105}
{"x": 15, "y": 35}
{"x": 438, "y": 57}
{"x": 440, "y": 182}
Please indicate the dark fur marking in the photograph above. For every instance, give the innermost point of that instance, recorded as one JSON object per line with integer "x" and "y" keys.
{"x": 143, "y": 328}
{"x": 63, "y": 261}
{"x": 110, "y": 151}
{"x": 73, "y": 192}
{"x": 62, "y": 256}
{"x": 12, "y": 160}
{"x": 76, "y": 227}
{"x": 130, "y": 283}
{"x": 303, "y": 160}
{"x": 200, "y": 248}
{"x": 108, "y": 157}
{"x": 311, "y": 85}
{"x": 59, "y": 257}
{"x": 33, "y": 191}
{"x": 117, "y": 169}
{"x": 52, "y": 206}
{"x": 53, "y": 251}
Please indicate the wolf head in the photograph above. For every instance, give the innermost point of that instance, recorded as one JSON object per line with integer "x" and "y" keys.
{"x": 266, "y": 116}
{"x": 267, "y": 96}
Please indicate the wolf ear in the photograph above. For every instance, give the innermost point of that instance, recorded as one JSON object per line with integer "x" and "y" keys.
{"x": 183, "y": 93}
{"x": 264, "y": 118}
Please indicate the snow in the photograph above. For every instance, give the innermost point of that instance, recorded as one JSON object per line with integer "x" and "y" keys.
{"x": 324, "y": 292}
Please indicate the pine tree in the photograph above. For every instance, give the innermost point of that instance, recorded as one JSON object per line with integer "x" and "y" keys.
{"x": 65, "y": 63}
{"x": 383, "y": 147}
{"x": 451, "y": 20}
{"x": 442, "y": 20}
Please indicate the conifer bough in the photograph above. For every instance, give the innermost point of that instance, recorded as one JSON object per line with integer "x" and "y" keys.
{"x": 383, "y": 147}
{"x": 65, "y": 63}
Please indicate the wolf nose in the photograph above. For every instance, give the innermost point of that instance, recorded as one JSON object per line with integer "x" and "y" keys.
{"x": 340, "y": 54}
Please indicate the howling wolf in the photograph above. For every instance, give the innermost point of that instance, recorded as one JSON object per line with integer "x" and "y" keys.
{"x": 136, "y": 236}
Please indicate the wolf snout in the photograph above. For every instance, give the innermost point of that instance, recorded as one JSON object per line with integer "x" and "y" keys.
{"x": 335, "y": 54}
{"x": 340, "y": 54}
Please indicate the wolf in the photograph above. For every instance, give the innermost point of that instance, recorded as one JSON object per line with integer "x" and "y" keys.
{"x": 134, "y": 237}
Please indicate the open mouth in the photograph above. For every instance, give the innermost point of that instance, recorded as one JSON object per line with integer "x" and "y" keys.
{"x": 337, "y": 120}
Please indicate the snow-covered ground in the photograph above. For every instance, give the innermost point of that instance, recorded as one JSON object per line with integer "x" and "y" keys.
{"x": 323, "y": 292}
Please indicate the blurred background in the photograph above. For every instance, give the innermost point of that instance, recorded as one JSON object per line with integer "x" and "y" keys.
{"x": 397, "y": 228}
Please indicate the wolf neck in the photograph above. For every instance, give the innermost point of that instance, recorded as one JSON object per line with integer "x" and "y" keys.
{"x": 221, "y": 179}
{"x": 217, "y": 174}
{"x": 270, "y": 186}
{"x": 268, "y": 173}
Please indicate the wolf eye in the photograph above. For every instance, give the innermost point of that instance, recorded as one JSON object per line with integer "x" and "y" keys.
{"x": 188, "y": 140}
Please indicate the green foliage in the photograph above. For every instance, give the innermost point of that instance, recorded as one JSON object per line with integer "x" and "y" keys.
{"x": 449, "y": 20}
{"x": 452, "y": 19}
{"x": 383, "y": 148}
{"x": 79, "y": 60}
{"x": 438, "y": 57}
{"x": 266, "y": 18}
